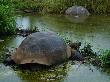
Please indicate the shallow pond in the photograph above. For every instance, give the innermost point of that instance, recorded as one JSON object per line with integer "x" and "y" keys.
{"x": 93, "y": 29}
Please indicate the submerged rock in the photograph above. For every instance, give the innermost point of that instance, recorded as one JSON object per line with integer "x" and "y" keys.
{"x": 26, "y": 32}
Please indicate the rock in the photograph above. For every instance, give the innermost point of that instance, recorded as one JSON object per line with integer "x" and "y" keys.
{"x": 26, "y": 32}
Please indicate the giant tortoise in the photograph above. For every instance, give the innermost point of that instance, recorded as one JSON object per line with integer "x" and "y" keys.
{"x": 44, "y": 48}
{"x": 77, "y": 11}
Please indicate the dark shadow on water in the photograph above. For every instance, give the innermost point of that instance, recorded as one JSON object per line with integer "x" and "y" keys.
{"x": 33, "y": 67}
{"x": 41, "y": 73}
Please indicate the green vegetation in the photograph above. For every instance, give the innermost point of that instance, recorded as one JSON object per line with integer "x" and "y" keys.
{"x": 105, "y": 59}
{"x": 7, "y": 22}
{"x": 87, "y": 51}
{"x": 33, "y": 5}
{"x": 52, "y": 74}
{"x": 59, "y": 6}
{"x": 97, "y": 59}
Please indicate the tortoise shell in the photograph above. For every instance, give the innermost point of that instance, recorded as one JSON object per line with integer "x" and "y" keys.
{"x": 42, "y": 48}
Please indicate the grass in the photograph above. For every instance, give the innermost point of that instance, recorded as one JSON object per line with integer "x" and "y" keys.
{"x": 59, "y": 6}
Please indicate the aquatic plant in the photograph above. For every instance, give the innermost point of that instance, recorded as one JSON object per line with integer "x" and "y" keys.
{"x": 53, "y": 74}
{"x": 98, "y": 59}
{"x": 87, "y": 51}
{"x": 105, "y": 59}
{"x": 90, "y": 55}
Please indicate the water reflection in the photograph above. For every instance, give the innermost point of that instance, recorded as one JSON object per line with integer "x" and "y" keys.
{"x": 63, "y": 73}
{"x": 10, "y": 42}
{"x": 8, "y": 75}
{"x": 56, "y": 74}
{"x": 23, "y": 22}
{"x": 77, "y": 19}
{"x": 86, "y": 73}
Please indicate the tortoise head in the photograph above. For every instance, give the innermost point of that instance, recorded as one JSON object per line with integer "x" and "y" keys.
{"x": 75, "y": 53}
{"x": 75, "y": 46}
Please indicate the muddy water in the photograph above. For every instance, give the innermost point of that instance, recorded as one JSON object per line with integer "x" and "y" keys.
{"x": 93, "y": 29}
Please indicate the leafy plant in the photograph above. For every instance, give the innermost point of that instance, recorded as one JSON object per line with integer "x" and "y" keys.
{"x": 87, "y": 51}
{"x": 7, "y": 21}
{"x": 105, "y": 59}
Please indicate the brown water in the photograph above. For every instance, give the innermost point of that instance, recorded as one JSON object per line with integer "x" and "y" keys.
{"x": 94, "y": 30}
